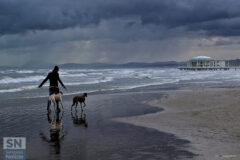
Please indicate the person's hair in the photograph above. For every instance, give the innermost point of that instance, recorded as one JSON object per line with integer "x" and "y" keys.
{"x": 56, "y": 68}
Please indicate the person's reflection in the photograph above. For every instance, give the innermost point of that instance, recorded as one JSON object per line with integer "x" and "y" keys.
{"x": 79, "y": 120}
{"x": 56, "y": 131}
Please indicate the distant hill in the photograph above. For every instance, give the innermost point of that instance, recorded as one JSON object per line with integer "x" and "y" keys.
{"x": 171, "y": 64}
{"x": 125, "y": 65}
{"x": 37, "y": 64}
{"x": 43, "y": 65}
{"x": 8, "y": 67}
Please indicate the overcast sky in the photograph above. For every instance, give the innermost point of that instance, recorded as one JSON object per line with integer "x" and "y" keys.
{"x": 117, "y": 31}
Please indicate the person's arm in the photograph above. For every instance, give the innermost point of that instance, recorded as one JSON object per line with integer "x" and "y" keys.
{"x": 43, "y": 81}
{"x": 61, "y": 82}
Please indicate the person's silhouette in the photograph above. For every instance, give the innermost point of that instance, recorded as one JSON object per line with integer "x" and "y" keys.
{"x": 54, "y": 78}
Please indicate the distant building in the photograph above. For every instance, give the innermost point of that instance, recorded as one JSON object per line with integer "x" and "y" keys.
{"x": 205, "y": 63}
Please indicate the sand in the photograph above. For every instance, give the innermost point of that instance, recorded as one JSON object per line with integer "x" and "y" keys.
{"x": 209, "y": 118}
{"x": 103, "y": 139}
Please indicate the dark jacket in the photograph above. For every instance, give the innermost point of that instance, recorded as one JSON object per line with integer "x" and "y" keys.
{"x": 53, "y": 78}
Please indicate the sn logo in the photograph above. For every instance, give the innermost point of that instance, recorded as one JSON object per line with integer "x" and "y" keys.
{"x": 14, "y": 143}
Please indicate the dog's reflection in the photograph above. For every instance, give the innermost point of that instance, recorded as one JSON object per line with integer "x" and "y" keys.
{"x": 79, "y": 120}
{"x": 56, "y": 131}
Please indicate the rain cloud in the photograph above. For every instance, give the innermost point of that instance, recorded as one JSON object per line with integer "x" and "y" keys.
{"x": 117, "y": 31}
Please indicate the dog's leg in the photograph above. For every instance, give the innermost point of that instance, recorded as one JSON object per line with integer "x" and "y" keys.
{"x": 74, "y": 102}
{"x": 76, "y": 106}
{"x": 54, "y": 104}
{"x": 61, "y": 104}
{"x": 81, "y": 107}
{"x": 48, "y": 105}
{"x": 58, "y": 109}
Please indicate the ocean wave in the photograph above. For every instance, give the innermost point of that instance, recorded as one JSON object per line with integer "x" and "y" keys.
{"x": 74, "y": 75}
{"x": 119, "y": 88}
{"x": 24, "y": 71}
{"x": 102, "y": 80}
{"x": 17, "y": 71}
{"x": 140, "y": 75}
{"x": 7, "y": 80}
{"x": 97, "y": 74}
{"x": 67, "y": 94}
{"x": 120, "y": 79}
{"x": 149, "y": 84}
{"x": 18, "y": 89}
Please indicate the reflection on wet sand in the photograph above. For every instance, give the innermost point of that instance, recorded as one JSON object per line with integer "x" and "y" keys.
{"x": 56, "y": 132}
{"x": 79, "y": 120}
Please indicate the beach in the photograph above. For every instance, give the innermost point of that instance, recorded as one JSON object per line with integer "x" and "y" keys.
{"x": 102, "y": 139}
{"x": 141, "y": 113}
{"x": 160, "y": 79}
{"x": 207, "y": 117}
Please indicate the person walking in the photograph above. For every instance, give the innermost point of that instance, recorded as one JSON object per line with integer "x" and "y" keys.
{"x": 54, "y": 78}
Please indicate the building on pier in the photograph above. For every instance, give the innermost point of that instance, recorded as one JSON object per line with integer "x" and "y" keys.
{"x": 206, "y": 63}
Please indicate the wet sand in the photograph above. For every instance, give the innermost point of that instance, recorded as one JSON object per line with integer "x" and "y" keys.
{"x": 208, "y": 117}
{"x": 102, "y": 139}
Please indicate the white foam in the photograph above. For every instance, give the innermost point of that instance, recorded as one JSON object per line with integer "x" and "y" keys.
{"x": 97, "y": 74}
{"x": 74, "y": 75}
{"x": 8, "y": 80}
{"x": 18, "y": 89}
{"x": 102, "y": 80}
{"x": 147, "y": 84}
{"x": 138, "y": 78}
{"x": 17, "y": 71}
{"x": 25, "y": 71}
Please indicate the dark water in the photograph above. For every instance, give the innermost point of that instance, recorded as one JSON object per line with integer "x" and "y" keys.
{"x": 94, "y": 137}
{"x": 22, "y": 83}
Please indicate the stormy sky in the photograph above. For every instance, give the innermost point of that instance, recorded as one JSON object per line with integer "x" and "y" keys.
{"x": 117, "y": 31}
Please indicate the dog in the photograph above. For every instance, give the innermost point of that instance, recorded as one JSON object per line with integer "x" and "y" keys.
{"x": 80, "y": 99}
{"x": 55, "y": 99}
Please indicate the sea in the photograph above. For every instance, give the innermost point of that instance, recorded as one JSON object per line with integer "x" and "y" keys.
{"x": 23, "y": 83}
{"x": 24, "y": 115}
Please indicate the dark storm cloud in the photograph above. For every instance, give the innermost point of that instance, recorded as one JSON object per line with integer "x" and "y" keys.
{"x": 215, "y": 17}
{"x": 117, "y": 31}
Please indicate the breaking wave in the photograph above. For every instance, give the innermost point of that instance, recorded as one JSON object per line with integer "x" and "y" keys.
{"x": 7, "y": 80}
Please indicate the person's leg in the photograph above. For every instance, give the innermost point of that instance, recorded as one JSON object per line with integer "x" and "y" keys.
{"x": 49, "y": 103}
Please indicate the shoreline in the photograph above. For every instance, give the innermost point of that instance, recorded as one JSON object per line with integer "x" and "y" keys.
{"x": 207, "y": 117}
{"x": 102, "y": 139}
{"x": 150, "y": 87}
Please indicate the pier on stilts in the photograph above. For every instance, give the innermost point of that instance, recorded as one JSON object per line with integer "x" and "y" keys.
{"x": 205, "y": 63}
{"x": 204, "y": 68}
{"x": 208, "y": 68}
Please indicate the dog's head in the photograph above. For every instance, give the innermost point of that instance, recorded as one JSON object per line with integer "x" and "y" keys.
{"x": 85, "y": 94}
{"x": 61, "y": 92}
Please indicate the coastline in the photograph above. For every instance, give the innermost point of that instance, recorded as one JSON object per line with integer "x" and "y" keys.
{"x": 102, "y": 139}
{"x": 207, "y": 117}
